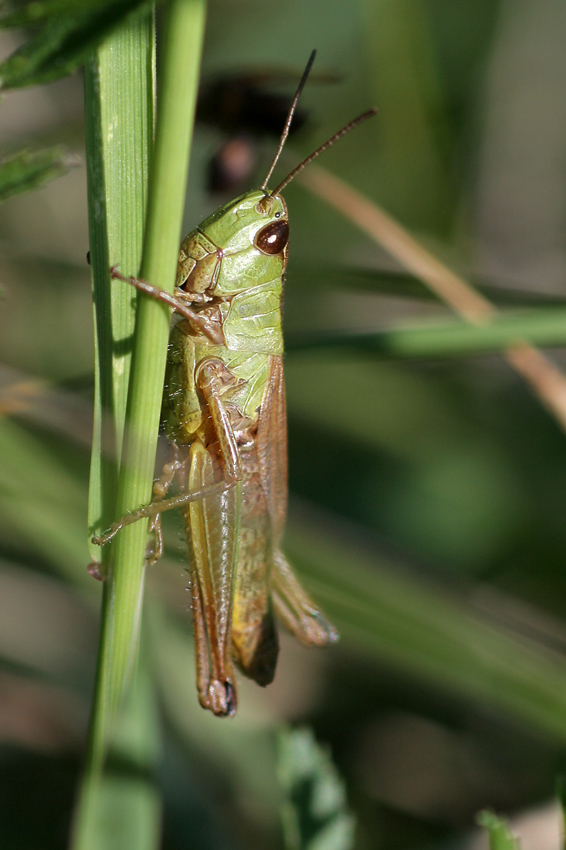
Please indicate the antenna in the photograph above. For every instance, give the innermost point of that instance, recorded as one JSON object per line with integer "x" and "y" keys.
{"x": 359, "y": 120}
{"x": 285, "y": 132}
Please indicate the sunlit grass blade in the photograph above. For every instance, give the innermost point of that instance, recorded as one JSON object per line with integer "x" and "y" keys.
{"x": 119, "y": 91}
{"x": 123, "y": 588}
{"x": 119, "y": 81}
{"x": 182, "y": 42}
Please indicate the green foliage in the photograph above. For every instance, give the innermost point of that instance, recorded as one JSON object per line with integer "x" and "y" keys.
{"x": 67, "y": 34}
{"x": 500, "y": 836}
{"x": 544, "y": 326}
{"x": 28, "y": 170}
{"x": 315, "y": 813}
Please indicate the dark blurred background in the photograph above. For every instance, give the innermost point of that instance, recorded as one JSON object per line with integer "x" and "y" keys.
{"x": 430, "y": 491}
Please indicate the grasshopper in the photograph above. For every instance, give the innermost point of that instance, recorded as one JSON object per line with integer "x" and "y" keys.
{"x": 225, "y": 419}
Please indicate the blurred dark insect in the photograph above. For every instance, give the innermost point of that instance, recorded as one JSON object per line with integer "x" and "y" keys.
{"x": 230, "y": 168}
{"x": 247, "y": 108}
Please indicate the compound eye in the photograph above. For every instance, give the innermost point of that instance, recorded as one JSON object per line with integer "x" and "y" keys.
{"x": 273, "y": 238}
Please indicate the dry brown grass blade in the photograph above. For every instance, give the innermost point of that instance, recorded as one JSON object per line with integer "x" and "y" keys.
{"x": 544, "y": 378}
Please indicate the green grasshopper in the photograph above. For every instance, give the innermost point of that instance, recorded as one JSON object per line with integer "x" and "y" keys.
{"x": 224, "y": 416}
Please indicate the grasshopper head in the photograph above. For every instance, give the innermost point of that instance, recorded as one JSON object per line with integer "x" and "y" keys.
{"x": 255, "y": 219}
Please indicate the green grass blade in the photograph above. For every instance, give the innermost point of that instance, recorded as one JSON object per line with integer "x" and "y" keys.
{"x": 119, "y": 95}
{"x": 177, "y": 101}
{"x": 182, "y": 43}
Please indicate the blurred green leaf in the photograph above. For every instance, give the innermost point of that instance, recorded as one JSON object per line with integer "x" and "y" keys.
{"x": 70, "y": 32}
{"x": 400, "y": 284}
{"x": 222, "y": 746}
{"x": 422, "y": 629}
{"x": 27, "y": 170}
{"x": 42, "y": 501}
{"x": 544, "y": 326}
{"x": 109, "y": 81}
{"x": 315, "y": 812}
{"x": 32, "y": 12}
{"x": 500, "y": 837}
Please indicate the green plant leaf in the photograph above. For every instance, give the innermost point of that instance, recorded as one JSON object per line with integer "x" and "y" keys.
{"x": 315, "y": 812}
{"x": 33, "y": 12}
{"x": 427, "y": 632}
{"x": 500, "y": 836}
{"x": 319, "y": 277}
{"x": 544, "y": 326}
{"x": 70, "y": 32}
{"x": 36, "y": 490}
{"x": 27, "y": 170}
